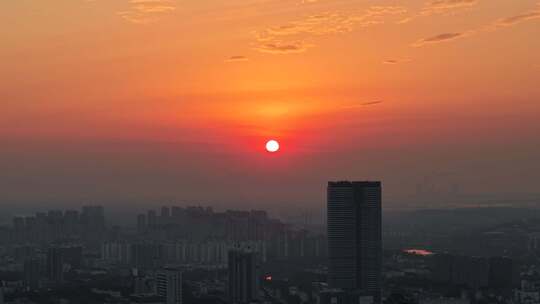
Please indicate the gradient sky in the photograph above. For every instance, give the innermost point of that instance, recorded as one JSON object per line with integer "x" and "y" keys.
{"x": 156, "y": 100}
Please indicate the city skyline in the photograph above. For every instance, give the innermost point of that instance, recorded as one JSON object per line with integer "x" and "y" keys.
{"x": 197, "y": 255}
{"x": 269, "y": 152}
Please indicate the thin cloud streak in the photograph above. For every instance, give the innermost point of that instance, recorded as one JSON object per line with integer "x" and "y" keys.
{"x": 500, "y": 23}
{"x": 147, "y": 11}
{"x": 439, "y": 38}
{"x": 519, "y": 18}
{"x": 283, "y": 48}
{"x": 362, "y": 104}
{"x": 284, "y": 38}
{"x": 441, "y": 7}
{"x": 396, "y": 61}
{"x": 237, "y": 59}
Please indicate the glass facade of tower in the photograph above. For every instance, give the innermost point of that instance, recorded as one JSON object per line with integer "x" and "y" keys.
{"x": 354, "y": 237}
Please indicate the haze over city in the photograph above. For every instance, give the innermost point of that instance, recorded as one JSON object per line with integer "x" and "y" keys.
{"x": 269, "y": 152}
{"x": 139, "y": 102}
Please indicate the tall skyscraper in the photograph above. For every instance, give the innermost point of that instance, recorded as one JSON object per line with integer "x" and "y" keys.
{"x": 141, "y": 223}
{"x": 243, "y": 276}
{"x": 92, "y": 221}
{"x": 151, "y": 219}
{"x": 169, "y": 285}
{"x": 31, "y": 273}
{"x": 55, "y": 265}
{"x": 354, "y": 237}
{"x": 165, "y": 217}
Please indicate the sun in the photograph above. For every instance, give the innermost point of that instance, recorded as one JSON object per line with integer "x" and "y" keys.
{"x": 272, "y": 146}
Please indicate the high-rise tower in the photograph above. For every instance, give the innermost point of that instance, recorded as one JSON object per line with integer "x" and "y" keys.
{"x": 243, "y": 276}
{"x": 354, "y": 237}
{"x": 169, "y": 285}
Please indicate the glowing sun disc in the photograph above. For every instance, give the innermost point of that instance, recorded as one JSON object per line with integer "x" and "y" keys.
{"x": 272, "y": 146}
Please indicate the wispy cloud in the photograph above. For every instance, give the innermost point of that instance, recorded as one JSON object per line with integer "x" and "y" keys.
{"x": 238, "y": 58}
{"x": 277, "y": 39}
{"x": 362, "y": 104}
{"x": 532, "y": 14}
{"x": 441, "y": 7}
{"x": 439, "y": 38}
{"x": 276, "y": 47}
{"x": 396, "y": 61}
{"x": 147, "y": 11}
{"x": 519, "y": 18}
{"x": 370, "y": 103}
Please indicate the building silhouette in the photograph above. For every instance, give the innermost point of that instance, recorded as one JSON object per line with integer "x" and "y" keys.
{"x": 502, "y": 273}
{"x": 243, "y": 276}
{"x": 55, "y": 265}
{"x": 169, "y": 285}
{"x": 144, "y": 256}
{"x": 151, "y": 218}
{"x": 475, "y": 272}
{"x": 354, "y": 237}
{"x": 141, "y": 223}
{"x": 92, "y": 221}
{"x": 32, "y": 273}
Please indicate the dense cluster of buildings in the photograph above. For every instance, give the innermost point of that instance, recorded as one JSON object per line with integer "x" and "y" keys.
{"x": 152, "y": 254}
{"x": 87, "y": 225}
{"x": 197, "y": 232}
{"x": 197, "y": 255}
{"x": 476, "y": 272}
{"x": 59, "y": 250}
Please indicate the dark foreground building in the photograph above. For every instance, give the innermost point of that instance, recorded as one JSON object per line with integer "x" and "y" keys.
{"x": 354, "y": 237}
{"x": 243, "y": 276}
{"x": 169, "y": 285}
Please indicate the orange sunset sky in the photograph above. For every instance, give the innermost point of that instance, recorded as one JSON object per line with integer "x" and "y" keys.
{"x": 153, "y": 100}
